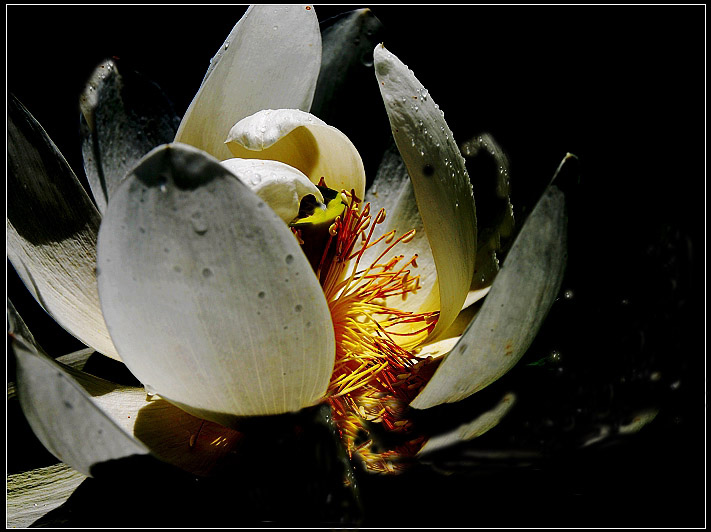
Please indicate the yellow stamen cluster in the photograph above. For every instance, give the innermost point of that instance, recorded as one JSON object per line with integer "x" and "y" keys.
{"x": 375, "y": 376}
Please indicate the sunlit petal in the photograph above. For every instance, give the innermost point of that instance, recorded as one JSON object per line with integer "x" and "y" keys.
{"x": 207, "y": 294}
{"x": 33, "y": 494}
{"x": 303, "y": 141}
{"x": 392, "y": 190}
{"x": 51, "y": 231}
{"x": 270, "y": 60}
{"x": 440, "y": 180}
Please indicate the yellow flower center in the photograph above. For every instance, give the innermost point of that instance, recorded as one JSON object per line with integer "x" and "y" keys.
{"x": 375, "y": 375}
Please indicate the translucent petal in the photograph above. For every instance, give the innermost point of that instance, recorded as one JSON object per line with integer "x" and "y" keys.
{"x": 440, "y": 180}
{"x": 512, "y": 312}
{"x": 279, "y": 185}
{"x": 392, "y": 190}
{"x": 303, "y": 141}
{"x": 124, "y": 116}
{"x": 207, "y": 294}
{"x": 271, "y": 59}
{"x": 52, "y": 227}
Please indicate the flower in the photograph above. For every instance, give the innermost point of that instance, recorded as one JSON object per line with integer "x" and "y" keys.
{"x": 209, "y": 297}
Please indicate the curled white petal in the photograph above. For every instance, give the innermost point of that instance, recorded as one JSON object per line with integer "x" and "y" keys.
{"x": 303, "y": 141}
{"x": 442, "y": 188}
{"x": 281, "y": 186}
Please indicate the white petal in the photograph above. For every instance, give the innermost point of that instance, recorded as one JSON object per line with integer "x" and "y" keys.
{"x": 279, "y": 185}
{"x": 271, "y": 59}
{"x": 51, "y": 231}
{"x": 170, "y": 433}
{"x": 120, "y": 413}
{"x": 303, "y": 141}
{"x": 468, "y": 431}
{"x": 392, "y": 190}
{"x": 513, "y": 311}
{"x": 441, "y": 183}
{"x": 207, "y": 294}
{"x": 33, "y": 494}
{"x": 63, "y": 416}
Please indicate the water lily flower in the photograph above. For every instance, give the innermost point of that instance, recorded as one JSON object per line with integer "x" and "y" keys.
{"x": 242, "y": 269}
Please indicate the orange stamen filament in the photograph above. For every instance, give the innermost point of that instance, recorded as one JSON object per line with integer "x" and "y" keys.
{"x": 374, "y": 376}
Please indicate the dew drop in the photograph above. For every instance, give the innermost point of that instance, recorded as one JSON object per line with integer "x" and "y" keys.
{"x": 568, "y": 294}
{"x": 150, "y": 390}
{"x": 162, "y": 184}
{"x": 207, "y": 273}
{"x": 199, "y": 225}
{"x": 261, "y": 295}
{"x": 227, "y": 44}
{"x": 289, "y": 259}
{"x": 298, "y": 308}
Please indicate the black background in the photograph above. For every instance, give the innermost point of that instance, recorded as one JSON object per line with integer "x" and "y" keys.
{"x": 623, "y": 88}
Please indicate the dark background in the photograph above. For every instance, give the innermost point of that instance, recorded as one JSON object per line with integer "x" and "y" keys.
{"x": 623, "y": 88}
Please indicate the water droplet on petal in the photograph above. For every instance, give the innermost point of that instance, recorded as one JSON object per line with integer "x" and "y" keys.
{"x": 207, "y": 273}
{"x": 150, "y": 390}
{"x": 199, "y": 225}
{"x": 261, "y": 295}
{"x": 298, "y": 308}
{"x": 289, "y": 259}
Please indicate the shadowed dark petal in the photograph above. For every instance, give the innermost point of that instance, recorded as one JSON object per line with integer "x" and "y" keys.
{"x": 513, "y": 311}
{"x": 124, "y": 116}
{"x": 345, "y": 96}
{"x": 52, "y": 227}
{"x": 62, "y": 414}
